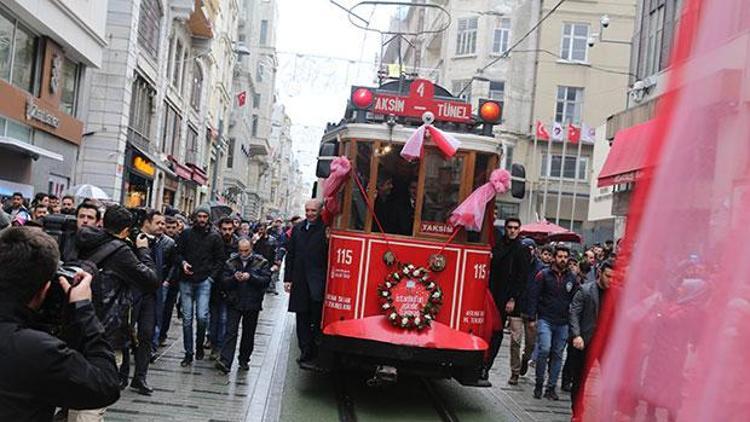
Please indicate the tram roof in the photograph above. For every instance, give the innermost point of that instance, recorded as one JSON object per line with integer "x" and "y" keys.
{"x": 399, "y": 134}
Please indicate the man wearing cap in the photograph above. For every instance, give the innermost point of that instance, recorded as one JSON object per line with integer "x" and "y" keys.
{"x": 200, "y": 252}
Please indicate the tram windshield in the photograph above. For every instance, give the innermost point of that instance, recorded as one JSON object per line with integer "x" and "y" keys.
{"x": 411, "y": 199}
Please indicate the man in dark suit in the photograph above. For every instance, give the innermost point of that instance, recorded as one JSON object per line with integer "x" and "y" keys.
{"x": 584, "y": 313}
{"x": 305, "y": 279}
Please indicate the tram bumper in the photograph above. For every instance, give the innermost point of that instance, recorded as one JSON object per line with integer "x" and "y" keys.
{"x": 437, "y": 351}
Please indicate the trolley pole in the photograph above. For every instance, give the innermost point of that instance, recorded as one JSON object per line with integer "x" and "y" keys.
{"x": 531, "y": 187}
{"x": 575, "y": 181}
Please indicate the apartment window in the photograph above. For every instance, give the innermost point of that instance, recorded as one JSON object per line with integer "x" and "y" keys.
{"x": 506, "y": 210}
{"x": 17, "y": 53}
{"x": 501, "y": 36}
{"x": 171, "y": 133}
{"x": 192, "y": 145}
{"x": 15, "y": 130}
{"x": 141, "y": 112}
{"x": 197, "y": 88}
{"x": 178, "y": 62}
{"x": 230, "y": 153}
{"x": 466, "y": 39}
{"x": 259, "y": 72}
{"x": 569, "y": 105}
{"x": 149, "y": 22}
{"x": 256, "y": 100}
{"x": 497, "y": 90}
{"x": 254, "y": 130}
{"x": 263, "y": 32}
{"x": 575, "y": 42}
{"x": 69, "y": 86}
{"x": 569, "y": 171}
{"x": 655, "y": 36}
{"x": 462, "y": 89}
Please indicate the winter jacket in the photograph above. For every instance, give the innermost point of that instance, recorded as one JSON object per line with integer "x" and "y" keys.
{"x": 508, "y": 272}
{"x": 535, "y": 266}
{"x": 551, "y": 294}
{"x": 121, "y": 271}
{"x": 584, "y": 312}
{"x": 266, "y": 246}
{"x": 246, "y": 295}
{"x": 40, "y": 372}
{"x": 306, "y": 262}
{"x": 203, "y": 249}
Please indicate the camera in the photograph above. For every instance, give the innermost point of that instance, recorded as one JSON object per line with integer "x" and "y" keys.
{"x": 57, "y": 225}
{"x": 52, "y": 316}
{"x": 139, "y": 217}
{"x": 604, "y": 21}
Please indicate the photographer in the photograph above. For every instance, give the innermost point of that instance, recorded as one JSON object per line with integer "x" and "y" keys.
{"x": 121, "y": 269}
{"x": 87, "y": 214}
{"x": 39, "y": 371}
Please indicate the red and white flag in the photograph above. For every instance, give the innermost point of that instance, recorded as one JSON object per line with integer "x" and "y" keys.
{"x": 242, "y": 98}
{"x": 557, "y": 132}
{"x": 541, "y": 132}
{"x": 589, "y": 134}
{"x": 574, "y": 134}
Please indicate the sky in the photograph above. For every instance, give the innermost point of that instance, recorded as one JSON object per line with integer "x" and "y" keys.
{"x": 321, "y": 55}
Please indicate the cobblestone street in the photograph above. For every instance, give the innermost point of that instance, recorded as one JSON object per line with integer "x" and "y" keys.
{"x": 275, "y": 389}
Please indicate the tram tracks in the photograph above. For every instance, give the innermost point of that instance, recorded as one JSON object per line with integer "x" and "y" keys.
{"x": 431, "y": 403}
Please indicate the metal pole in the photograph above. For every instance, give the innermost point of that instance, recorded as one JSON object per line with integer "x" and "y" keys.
{"x": 575, "y": 182}
{"x": 547, "y": 177}
{"x": 560, "y": 183}
{"x": 531, "y": 188}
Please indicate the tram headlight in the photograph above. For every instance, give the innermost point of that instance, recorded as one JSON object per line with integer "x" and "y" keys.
{"x": 490, "y": 111}
{"x": 362, "y": 98}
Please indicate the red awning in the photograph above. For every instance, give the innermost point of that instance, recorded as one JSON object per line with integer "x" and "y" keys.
{"x": 628, "y": 155}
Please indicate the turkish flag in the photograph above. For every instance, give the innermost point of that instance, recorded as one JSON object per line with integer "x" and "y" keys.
{"x": 242, "y": 98}
{"x": 574, "y": 134}
{"x": 541, "y": 131}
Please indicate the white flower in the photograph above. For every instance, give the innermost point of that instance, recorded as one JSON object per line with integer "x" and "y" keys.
{"x": 406, "y": 270}
{"x": 388, "y": 285}
{"x": 436, "y": 295}
{"x": 384, "y": 293}
{"x": 386, "y": 305}
{"x": 393, "y": 316}
{"x": 431, "y": 285}
{"x": 428, "y": 317}
{"x": 417, "y": 320}
{"x": 404, "y": 321}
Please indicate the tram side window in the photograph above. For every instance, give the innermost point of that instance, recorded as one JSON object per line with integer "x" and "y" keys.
{"x": 441, "y": 187}
{"x": 396, "y": 194}
{"x": 481, "y": 176}
{"x": 359, "y": 205}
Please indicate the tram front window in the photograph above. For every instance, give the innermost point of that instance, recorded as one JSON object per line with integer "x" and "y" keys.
{"x": 396, "y": 191}
{"x": 441, "y": 190}
{"x": 362, "y": 169}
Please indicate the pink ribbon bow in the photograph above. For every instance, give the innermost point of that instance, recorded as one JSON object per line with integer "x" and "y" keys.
{"x": 470, "y": 213}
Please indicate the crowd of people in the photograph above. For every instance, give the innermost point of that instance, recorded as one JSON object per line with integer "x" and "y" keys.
{"x": 129, "y": 269}
{"x": 549, "y": 300}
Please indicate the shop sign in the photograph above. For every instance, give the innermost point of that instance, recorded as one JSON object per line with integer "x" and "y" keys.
{"x": 34, "y": 112}
{"x": 144, "y": 166}
{"x": 434, "y": 227}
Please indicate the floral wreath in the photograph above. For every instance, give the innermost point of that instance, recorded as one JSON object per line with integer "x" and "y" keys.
{"x": 428, "y": 311}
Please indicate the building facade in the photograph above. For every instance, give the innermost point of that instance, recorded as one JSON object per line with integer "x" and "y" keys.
{"x": 48, "y": 51}
{"x": 155, "y": 109}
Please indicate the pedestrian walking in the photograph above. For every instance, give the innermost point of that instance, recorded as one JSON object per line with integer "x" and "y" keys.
{"x": 583, "y": 318}
{"x": 529, "y": 329}
{"x": 508, "y": 274}
{"x": 305, "y": 279}
{"x": 549, "y": 300}
{"x": 218, "y": 305}
{"x": 200, "y": 252}
{"x": 246, "y": 275}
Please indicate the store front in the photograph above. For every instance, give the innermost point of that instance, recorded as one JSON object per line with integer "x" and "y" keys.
{"x": 139, "y": 179}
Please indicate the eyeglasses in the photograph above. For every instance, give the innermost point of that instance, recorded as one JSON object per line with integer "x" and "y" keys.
{"x": 512, "y": 227}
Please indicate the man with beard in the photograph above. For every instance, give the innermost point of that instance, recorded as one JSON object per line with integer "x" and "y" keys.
{"x": 218, "y": 305}
{"x": 549, "y": 302}
{"x": 68, "y": 205}
{"x": 200, "y": 252}
{"x": 265, "y": 245}
{"x": 305, "y": 280}
{"x": 171, "y": 286}
{"x": 508, "y": 272}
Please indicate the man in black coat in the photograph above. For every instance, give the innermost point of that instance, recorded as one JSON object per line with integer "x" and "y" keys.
{"x": 305, "y": 279}
{"x": 508, "y": 275}
{"x": 39, "y": 371}
{"x": 584, "y": 315}
{"x": 200, "y": 252}
{"x": 246, "y": 276}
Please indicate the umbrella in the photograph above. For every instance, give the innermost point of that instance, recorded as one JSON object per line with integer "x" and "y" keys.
{"x": 544, "y": 231}
{"x": 88, "y": 191}
{"x": 219, "y": 210}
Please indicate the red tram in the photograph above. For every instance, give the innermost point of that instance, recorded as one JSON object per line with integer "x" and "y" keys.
{"x": 406, "y": 291}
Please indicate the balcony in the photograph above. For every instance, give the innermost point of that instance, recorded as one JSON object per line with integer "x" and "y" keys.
{"x": 201, "y": 22}
{"x": 182, "y": 8}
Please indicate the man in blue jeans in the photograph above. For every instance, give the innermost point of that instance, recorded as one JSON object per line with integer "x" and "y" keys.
{"x": 200, "y": 251}
{"x": 549, "y": 299}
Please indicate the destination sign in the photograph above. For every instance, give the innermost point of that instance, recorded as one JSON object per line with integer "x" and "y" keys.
{"x": 421, "y": 99}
